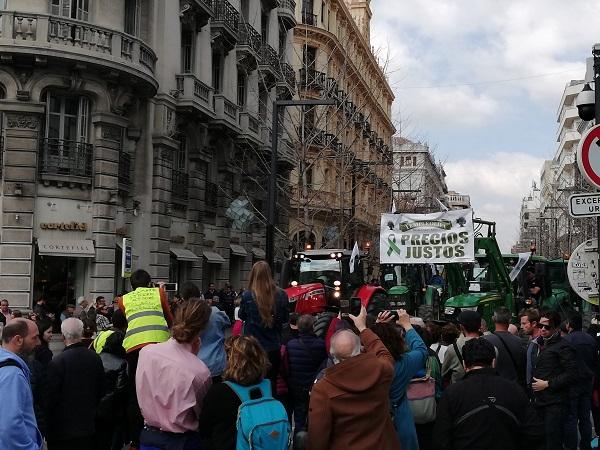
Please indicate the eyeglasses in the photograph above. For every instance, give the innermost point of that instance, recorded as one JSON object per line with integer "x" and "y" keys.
{"x": 544, "y": 326}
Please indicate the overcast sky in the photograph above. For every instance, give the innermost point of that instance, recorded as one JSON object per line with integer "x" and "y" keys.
{"x": 481, "y": 82}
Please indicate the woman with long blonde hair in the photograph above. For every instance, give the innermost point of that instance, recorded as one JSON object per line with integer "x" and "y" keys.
{"x": 264, "y": 310}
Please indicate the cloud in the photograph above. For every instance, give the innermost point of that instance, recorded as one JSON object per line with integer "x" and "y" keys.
{"x": 496, "y": 183}
{"x": 471, "y": 49}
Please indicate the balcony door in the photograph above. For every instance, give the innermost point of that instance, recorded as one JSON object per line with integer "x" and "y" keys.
{"x": 75, "y": 9}
{"x": 66, "y": 133}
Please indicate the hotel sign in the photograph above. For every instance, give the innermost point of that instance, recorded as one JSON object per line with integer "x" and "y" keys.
{"x": 64, "y": 226}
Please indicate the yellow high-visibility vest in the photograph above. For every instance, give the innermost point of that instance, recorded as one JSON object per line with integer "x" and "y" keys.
{"x": 146, "y": 322}
{"x": 100, "y": 340}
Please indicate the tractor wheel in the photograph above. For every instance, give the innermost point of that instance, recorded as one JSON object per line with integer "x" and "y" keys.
{"x": 321, "y": 324}
{"x": 425, "y": 312}
{"x": 379, "y": 302}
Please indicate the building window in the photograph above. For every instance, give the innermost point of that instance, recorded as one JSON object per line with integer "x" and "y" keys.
{"x": 187, "y": 51}
{"x": 242, "y": 84}
{"x": 75, "y": 9}
{"x": 262, "y": 104}
{"x": 67, "y": 118}
{"x": 307, "y": 7}
{"x": 322, "y": 12}
{"x": 245, "y": 8}
{"x": 309, "y": 57}
{"x": 216, "y": 72}
{"x": 180, "y": 156}
{"x": 264, "y": 28}
{"x": 132, "y": 17}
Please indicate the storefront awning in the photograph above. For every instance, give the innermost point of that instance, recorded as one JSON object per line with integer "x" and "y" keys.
{"x": 213, "y": 257}
{"x": 64, "y": 247}
{"x": 183, "y": 254}
{"x": 238, "y": 250}
{"x": 258, "y": 253}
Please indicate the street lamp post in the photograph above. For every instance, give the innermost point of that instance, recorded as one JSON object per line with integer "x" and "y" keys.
{"x": 272, "y": 191}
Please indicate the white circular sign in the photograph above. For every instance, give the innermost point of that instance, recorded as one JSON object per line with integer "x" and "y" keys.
{"x": 583, "y": 271}
{"x": 588, "y": 156}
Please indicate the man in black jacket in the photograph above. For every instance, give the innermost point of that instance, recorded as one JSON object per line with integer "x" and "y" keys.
{"x": 554, "y": 372}
{"x": 586, "y": 351}
{"x": 305, "y": 353}
{"x": 485, "y": 410}
{"x": 75, "y": 385}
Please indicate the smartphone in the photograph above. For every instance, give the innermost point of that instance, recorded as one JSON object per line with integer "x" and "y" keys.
{"x": 355, "y": 306}
{"x": 170, "y": 287}
{"x": 394, "y": 315}
{"x": 345, "y": 307}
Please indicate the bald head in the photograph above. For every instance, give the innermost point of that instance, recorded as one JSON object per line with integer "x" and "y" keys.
{"x": 344, "y": 345}
{"x": 21, "y": 337}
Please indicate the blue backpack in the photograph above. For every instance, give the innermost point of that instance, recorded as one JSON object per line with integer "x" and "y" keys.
{"x": 261, "y": 423}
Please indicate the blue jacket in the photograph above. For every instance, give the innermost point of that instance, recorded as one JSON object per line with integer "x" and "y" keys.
{"x": 405, "y": 370}
{"x": 306, "y": 354}
{"x": 18, "y": 427}
{"x": 268, "y": 337}
{"x": 212, "y": 347}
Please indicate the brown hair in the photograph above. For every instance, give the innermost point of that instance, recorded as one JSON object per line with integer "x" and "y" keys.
{"x": 191, "y": 318}
{"x": 247, "y": 362}
{"x": 533, "y": 315}
{"x": 391, "y": 337}
{"x": 263, "y": 287}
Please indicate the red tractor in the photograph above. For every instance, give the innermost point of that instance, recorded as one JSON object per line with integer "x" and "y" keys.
{"x": 318, "y": 281}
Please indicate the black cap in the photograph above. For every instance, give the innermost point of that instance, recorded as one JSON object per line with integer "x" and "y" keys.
{"x": 470, "y": 319}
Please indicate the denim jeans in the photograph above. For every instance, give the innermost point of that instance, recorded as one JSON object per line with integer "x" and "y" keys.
{"x": 579, "y": 415}
{"x": 152, "y": 439}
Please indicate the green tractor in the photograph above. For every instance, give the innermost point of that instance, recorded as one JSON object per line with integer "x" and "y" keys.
{"x": 551, "y": 276}
{"x": 421, "y": 290}
{"x": 488, "y": 284}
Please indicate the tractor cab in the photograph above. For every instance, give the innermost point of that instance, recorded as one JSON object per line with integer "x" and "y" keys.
{"x": 487, "y": 280}
{"x": 317, "y": 280}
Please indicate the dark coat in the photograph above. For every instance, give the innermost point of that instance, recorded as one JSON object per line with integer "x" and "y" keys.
{"x": 43, "y": 354}
{"x": 586, "y": 351}
{"x": 268, "y": 337}
{"x": 305, "y": 354}
{"x": 112, "y": 406}
{"x": 75, "y": 385}
{"x": 349, "y": 407}
{"x": 504, "y": 423}
{"x": 555, "y": 362}
{"x": 37, "y": 380}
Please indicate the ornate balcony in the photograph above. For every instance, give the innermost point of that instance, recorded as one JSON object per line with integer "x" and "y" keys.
{"x": 180, "y": 183}
{"x": 250, "y": 129}
{"x": 269, "y": 66}
{"x": 224, "y": 26}
{"x": 196, "y": 12}
{"x": 312, "y": 80}
{"x": 286, "y": 86}
{"x": 194, "y": 96}
{"x": 226, "y": 113}
{"x": 42, "y": 37}
{"x": 286, "y": 154}
{"x": 248, "y": 46}
{"x": 287, "y": 13}
{"x": 60, "y": 159}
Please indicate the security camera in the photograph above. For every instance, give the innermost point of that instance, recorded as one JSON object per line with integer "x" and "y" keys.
{"x": 586, "y": 103}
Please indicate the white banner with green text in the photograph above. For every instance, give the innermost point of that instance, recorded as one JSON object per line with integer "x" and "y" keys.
{"x": 437, "y": 238}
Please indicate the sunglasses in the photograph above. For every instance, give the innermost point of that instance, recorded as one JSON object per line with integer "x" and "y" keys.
{"x": 544, "y": 326}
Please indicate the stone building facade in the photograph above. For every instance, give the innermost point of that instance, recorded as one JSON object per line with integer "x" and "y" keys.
{"x": 419, "y": 181}
{"x": 139, "y": 119}
{"x": 342, "y": 182}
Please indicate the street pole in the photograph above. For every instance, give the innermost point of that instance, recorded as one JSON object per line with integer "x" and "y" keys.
{"x": 272, "y": 191}
{"x": 596, "y": 55}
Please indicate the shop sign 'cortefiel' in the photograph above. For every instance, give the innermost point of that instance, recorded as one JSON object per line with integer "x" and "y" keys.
{"x": 63, "y": 226}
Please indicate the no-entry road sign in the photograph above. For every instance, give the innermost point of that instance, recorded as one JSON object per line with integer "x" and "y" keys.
{"x": 584, "y": 205}
{"x": 588, "y": 155}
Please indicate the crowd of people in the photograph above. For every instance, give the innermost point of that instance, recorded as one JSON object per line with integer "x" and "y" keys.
{"x": 160, "y": 375}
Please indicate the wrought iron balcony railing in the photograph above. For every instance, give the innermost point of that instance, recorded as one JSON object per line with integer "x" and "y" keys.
{"x": 226, "y": 15}
{"x": 124, "y": 169}
{"x": 312, "y": 79}
{"x": 248, "y": 36}
{"x": 70, "y": 158}
{"x": 180, "y": 185}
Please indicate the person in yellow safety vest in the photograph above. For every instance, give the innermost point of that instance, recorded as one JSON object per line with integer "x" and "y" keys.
{"x": 119, "y": 325}
{"x": 148, "y": 321}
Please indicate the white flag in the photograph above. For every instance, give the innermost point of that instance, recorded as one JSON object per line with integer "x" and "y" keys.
{"x": 353, "y": 256}
{"x": 444, "y": 207}
{"x": 523, "y": 258}
{"x": 393, "y": 206}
